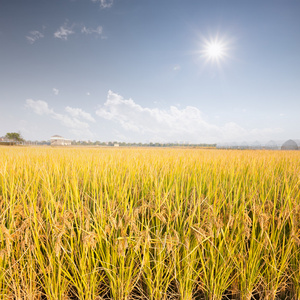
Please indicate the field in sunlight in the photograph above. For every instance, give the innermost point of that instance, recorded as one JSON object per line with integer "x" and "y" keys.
{"x": 87, "y": 223}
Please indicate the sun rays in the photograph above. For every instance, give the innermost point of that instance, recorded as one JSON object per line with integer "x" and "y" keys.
{"x": 215, "y": 50}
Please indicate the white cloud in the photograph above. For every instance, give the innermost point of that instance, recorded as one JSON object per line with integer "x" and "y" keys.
{"x": 171, "y": 124}
{"x": 63, "y": 32}
{"x": 34, "y": 36}
{"x": 88, "y": 93}
{"x": 71, "y": 121}
{"x": 104, "y": 3}
{"x": 78, "y": 112}
{"x": 55, "y": 91}
{"x": 39, "y": 107}
{"x": 98, "y": 30}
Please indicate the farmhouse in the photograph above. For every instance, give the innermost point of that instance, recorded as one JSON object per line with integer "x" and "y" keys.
{"x": 8, "y": 142}
{"x": 290, "y": 145}
{"x": 57, "y": 140}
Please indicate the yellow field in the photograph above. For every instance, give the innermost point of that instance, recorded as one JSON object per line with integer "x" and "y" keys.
{"x": 149, "y": 224}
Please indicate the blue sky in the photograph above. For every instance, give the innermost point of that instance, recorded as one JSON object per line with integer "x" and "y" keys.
{"x": 137, "y": 70}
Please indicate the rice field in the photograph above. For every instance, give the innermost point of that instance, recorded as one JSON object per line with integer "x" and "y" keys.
{"x": 153, "y": 224}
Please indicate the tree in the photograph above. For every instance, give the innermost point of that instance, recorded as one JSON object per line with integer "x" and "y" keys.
{"x": 15, "y": 136}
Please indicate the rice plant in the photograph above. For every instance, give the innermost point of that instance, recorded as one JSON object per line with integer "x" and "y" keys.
{"x": 121, "y": 224}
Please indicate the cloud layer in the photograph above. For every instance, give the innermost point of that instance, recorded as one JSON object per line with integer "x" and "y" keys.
{"x": 55, "y": 91}
{"x": 97, "y": 31}
{"x": 34, "y": 36}
{"x": 173, "y": 124}
{"x": 72, "y": 119}
{"x": 133, "y": 122}
{"x": 104, "y": 3}
{"x": 79, "y": 113}
{"x": 63, "y": 32}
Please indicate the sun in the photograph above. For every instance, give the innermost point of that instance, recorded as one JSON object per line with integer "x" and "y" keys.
{"x": 214, "y": 50}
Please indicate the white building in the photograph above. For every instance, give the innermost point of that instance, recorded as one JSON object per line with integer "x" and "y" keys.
{"x": 57, "y": 140}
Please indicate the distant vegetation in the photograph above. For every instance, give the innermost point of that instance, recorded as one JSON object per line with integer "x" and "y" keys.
{"x": 14, "y": 136}
{"x": 11, "y": 138}
{"x": 149, "y": 224}
{"x": 123, "y": 144}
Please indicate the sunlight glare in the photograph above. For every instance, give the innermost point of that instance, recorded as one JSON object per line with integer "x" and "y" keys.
{"x": 214, "y": 50}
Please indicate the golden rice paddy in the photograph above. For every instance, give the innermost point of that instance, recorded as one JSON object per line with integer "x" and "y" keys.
{"x": 87, "y": 223}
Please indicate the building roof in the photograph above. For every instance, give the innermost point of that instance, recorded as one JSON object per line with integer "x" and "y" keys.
{"x": 298, "y": 142}
{"x": 56, "y": 136}
{"x": 289, "y": 145}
